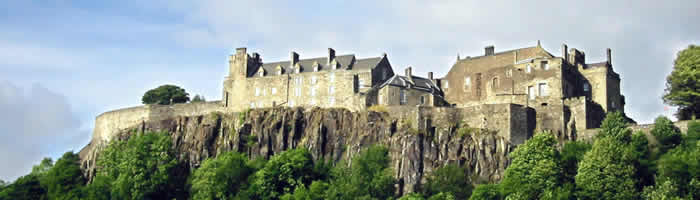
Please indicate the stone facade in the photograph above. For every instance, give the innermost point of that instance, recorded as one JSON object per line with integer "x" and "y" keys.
{"x": 334, "y": 81}
{"x": 566, "y": 93}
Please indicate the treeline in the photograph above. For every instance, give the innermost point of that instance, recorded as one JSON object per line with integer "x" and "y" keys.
{"x": 618, "y": 164}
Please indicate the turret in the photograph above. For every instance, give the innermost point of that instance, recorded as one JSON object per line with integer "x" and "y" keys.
{"x": 238, "y": 63}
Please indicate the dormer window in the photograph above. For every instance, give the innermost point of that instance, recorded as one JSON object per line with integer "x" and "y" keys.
{"x": 297, "y": 68}
{"x": 261, "y": 72}
{"x": 334, "y": 64}
{"x": 316, "y": 67}
{"x": 279, "y": 70}
{"x": 528, "y": 69}
{"x": 545, "y": 65}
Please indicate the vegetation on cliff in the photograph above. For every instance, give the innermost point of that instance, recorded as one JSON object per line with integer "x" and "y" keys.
{"x": 165, "y": 95}
{"x": 618, "y": 164}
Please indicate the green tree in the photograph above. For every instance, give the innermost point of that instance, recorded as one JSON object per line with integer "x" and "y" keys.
{"x": 99, "y": 189}
{"x": 65, "y": 179}
{"x": 683, "y": 84}
{"x": 486, "y": 192}
{"x": 26, "y": 187}
{"x": 682, "y": 166}
{"x": 443, "y": 196}
{"x": 412, "y": 196}
{"x": 666, "y": 133}
{"x": 221, "y": 177}
{"x": 165, "y": 95}
{"x": 283, "y": 173}
{"x": 369, "y": 177}
{"x": 663, "y": 191}
{"x": 571, "y": 154}
{"x": 42, "y": 167}
{"x": 450, "y": 179}
{"x": 534, "y": 172}
{"x": 142, "y": 167}
{"x": 198, "y": 98}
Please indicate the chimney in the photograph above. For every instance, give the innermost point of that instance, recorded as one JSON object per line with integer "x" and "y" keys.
{"x": 430, "y": 75}
{"x": 564, "y": 52}
{"x": 240, "y": 51}
{"x": 609, "y": 54}
{"x": 488, "y": 50}
{"x": 293, "y": 58}
{"x": 409, "y": 75}
{"x": 331, "y": 55}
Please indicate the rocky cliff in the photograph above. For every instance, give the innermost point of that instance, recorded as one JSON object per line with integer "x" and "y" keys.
{"x": 330, "y": 134}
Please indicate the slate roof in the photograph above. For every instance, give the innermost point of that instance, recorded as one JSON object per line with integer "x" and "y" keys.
{"x": 345, "y": 62}
{"x": 418, "y": 83}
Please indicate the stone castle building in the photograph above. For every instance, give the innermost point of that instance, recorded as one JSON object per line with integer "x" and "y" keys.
{"x": 540, "y": 91}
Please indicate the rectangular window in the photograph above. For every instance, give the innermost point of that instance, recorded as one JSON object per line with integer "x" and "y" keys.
{"x": 291, "y": 103}
{"x": 297, "y": 91}
{"x": 313, "y": 91}
{"x": 331, "y": 101}
{"x": 362, "y": 83}
{"x": 252, "y": 105}
{"x": 257, "y": 92}
{"x": 446, "y": 85}
{"x": 314, "y": 80}
{"x": 528, "y": 69}
{"x": 531, "y": 92}
{"x": 274, "y": 91}
{"x": 331, "y": 89}
{"x": 543, "y": 89}
{"x": 586, "y": 87}
{"x": 467, "y": 81}
{"x": 313, "y": 102}
{"x": 402, "y": 96}
{"x": 260, "y": 104}
{"x": 545, "y": 65}
{"x": 422, "y": 100}
{"x": 332, "y": 78}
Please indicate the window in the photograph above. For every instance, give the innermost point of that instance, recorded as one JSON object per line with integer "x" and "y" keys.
{"x": 446, "y": 85}
{"x": 264, "y": 92}
{"x": 528, "y": 69}
{"x": 509, "y": 73}
{"x": 273, "y": 91}
{"x": 314, "y": 80}
{"x": 402, "y": 96}
{"x": 257, "y": 92}
{"x": 252, "y": 105}
{"x": 260, "y": 104}
{"x": 543, "y": 89}
{"x": 494, "y": 83}
{"x": 379, "y": 100}
{"x": 531, "y": 92}
{"x": 261, "y": 73}
{"x": 313, "y": 102}
{"x": 586, "y": 87}
{"x": 331, "y": 101}
{"x": 291, "y": 103}
{"x": 613, "y": 105}
{"x": 467, "y": 81}
{"x": 422, "y": 100}
{"x": 545, "y": 65}
{"x": 332, "y": 77}
{"x": 331, "y": 90}
{"x": 313, "y": 91}
{"x": 298, "y": 80}
{"x": 297, "y": 69}
{"x": 297, "y": 91}
{"x": 362, "y": 83}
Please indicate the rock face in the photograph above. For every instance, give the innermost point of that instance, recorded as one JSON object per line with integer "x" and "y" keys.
{"x": 330, "y": 135}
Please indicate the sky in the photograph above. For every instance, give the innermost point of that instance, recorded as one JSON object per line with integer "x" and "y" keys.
{"x": 62, "y": 62}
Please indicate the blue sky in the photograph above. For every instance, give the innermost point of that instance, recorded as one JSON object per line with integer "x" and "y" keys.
{"x": 64, "y": 62}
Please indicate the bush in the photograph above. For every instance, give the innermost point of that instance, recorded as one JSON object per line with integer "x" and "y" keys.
{"x": 165, "y": 95}
{"x": 486, "y": 192}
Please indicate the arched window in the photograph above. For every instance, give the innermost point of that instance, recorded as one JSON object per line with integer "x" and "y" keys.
{"x": 422, "y": 100}
{"x": 494, "y": 83}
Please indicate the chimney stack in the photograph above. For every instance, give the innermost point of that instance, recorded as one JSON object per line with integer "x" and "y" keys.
{"x": 430, "y": 75}
{"x": 331, "y": 55}
{"x": 488, "y": 50}
{"x": 564, "y": 52}
{"x": 609, "y": 54}
{"x": 293, "y": 58}
{"x": 409, "y": 75}
{"x": 241, "y": 51}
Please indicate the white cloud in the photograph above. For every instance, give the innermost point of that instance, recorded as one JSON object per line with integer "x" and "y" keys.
{"x": 32, "y": 124}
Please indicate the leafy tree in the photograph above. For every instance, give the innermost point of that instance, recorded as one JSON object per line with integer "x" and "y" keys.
{"x": 198, "y": 98}
{"x": 25, "y": 187}
{"x": 369, "y": 177}
{"x": 221, "y": 177}
{"x": 486, "y": 192}
{"x": 663, "y": 191}
{"x": 443, "y": 196}
{"x": 64, "y": 180}
{"x": 535, "y": 171}
{"x": 450, "y": 179}
{"x": 571, "y": 154}
{"x": 682, "y": 166}
{"x": 607, "y": 172}
{"x": 412, "y": 196}
{"x": 99, "y": 189}
{"x": 283, "y": 173}
{"x": 140, "y": 168}
{"x": 615, "y": 125}
{"x": 165, "y": 95}
{"x": 42, "y": 167}
{"x": 683, "y": 84}
{"x": 667, "y": 134}
{"x": 644, "y": 160}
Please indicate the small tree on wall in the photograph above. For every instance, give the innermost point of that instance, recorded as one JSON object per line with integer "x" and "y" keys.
{"x": 165, "y": 95}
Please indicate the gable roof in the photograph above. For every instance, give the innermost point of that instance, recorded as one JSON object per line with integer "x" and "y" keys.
{"x": 345, "y": 61}
{"x": 500, "y": 59}
{"x": 418, "y": 83}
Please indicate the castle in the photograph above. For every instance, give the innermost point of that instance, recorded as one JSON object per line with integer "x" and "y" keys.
{"x": 538, "y": 90}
